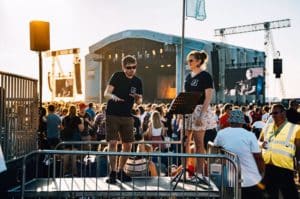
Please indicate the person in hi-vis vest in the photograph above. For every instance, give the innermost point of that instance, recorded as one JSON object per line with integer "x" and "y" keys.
{"x": 280, "y": 141}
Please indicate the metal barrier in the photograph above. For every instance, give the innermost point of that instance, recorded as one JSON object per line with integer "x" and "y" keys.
{"x": 229, "y": 177}
{"x": 18, "y": 115}
{"x": 54, "y": 183}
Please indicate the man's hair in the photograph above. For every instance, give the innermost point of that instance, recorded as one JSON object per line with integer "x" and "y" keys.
{"x": 51, "y": 108}
{"x": 128, "y": 59}
{"x": 243, "y": 108}
{"x": 266, "y": 108}
{"x": 142, "y": 110}
{"x": 293, "y": 103}
{"x": 227, "y": 106}
{"x": 279, "y": 106}
{"x": 250, "y": 70}
{"x": 91, "y": 105}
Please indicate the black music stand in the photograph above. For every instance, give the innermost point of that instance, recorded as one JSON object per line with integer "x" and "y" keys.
{"x": 183, "y": 104}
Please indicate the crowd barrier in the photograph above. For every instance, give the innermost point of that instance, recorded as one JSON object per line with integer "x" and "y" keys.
{"x": 87, "y": 171}
{"x": 18, "y": 115}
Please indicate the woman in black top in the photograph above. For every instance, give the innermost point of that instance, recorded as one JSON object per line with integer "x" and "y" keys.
{"x": 72, "y": 128}
{"x": 201, "y": 119}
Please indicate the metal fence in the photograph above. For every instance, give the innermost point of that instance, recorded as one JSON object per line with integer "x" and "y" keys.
{"x": 18, "y": 115}
{"x": 52, "y": 177}
{"x": 230, "y": 181}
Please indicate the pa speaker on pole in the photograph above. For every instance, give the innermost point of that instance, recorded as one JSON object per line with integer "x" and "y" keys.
{"x": 215, "y": 68}
{"x": 39, "y": 36}
{"x": 277, "y": 67}
{"x": 78, "y": 78}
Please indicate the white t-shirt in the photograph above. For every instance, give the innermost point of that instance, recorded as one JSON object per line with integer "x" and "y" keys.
{"x": 244, "y": 144}
{"x": 265, "y": 117}
{"x": 258, "y": 124}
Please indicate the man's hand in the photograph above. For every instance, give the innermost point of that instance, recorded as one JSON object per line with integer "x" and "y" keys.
{"x": 264, "y": 145}
{"x": 137, "y": 97}
{"x": 116, "y": 98}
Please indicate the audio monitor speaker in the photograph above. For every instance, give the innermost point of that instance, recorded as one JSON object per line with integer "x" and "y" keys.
{"x": 78, "y": 78}
{"x": 39, "y": 36}
{"x": 277, "y": 67}
{"x": 215, "y": 68}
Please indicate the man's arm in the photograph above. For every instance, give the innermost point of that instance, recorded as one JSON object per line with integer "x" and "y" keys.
{"x": 259, "y": 162}
{"x": 108, "y": 94}
{"x": 252, "y": 90}
{"x": 297, "y": 144}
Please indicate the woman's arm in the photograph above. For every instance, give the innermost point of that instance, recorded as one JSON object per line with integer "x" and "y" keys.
{"x": 207, "y": 100}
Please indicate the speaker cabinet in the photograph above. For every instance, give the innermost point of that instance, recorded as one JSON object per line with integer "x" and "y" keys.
{"x": 78, "y": 78}
{"x": 39, "y": 36}
{"x": 277, "y": 67}
{"x": 215, "y": 68}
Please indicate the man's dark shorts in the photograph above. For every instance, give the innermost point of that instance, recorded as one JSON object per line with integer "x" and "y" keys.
{"x": 119, "y": 128}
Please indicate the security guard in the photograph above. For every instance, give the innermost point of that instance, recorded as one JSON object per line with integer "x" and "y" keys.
{"x": 281, "y": 144}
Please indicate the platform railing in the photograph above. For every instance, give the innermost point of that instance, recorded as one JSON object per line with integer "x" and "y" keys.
{"x": 161, "y": 185}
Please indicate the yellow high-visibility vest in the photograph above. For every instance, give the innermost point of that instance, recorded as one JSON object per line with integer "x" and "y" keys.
{"x": 281, "y": 148}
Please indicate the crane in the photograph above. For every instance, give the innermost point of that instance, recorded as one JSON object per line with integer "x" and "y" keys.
{"x": 269, "y": 45}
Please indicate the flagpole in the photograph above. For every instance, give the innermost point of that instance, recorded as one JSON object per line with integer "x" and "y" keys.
{"x": 182, "y": 47}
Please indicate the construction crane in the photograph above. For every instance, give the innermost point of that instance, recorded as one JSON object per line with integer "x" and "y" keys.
{"x": 269, "y": 45}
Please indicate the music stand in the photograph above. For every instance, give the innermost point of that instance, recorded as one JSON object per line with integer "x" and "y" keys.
{"x": 183, "y": 104}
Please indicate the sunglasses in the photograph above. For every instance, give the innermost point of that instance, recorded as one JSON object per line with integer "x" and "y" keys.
{"x": 130, "y": 67}
{"x": 191, "y": 60}
{"x": 275, "y": 112}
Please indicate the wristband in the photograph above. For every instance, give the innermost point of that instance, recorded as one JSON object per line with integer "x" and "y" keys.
{"x": 113, "y": 97}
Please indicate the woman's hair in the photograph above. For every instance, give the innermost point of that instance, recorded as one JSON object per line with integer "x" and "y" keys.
{"x": 72, "y": 110}
{"x": 42, "y": 111}
{"x": 199, "y": 55}
{"x": 155, "y": 119}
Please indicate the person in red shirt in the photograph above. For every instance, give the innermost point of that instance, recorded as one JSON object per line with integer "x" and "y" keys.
{"x": 224, "y": 117}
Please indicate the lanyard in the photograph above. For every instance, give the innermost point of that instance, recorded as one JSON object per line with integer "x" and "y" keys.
{"x": 275, "y": 132}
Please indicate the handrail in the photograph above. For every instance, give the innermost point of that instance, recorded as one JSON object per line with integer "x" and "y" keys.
{"x": 69, "y": 152}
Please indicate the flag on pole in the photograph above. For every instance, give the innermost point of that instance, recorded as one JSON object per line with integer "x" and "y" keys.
{"x": 196, "y": 9}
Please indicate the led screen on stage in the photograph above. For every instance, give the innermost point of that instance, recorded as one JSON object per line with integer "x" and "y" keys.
{"x": 244, "y": 81}
{"x": 64, "y": 88}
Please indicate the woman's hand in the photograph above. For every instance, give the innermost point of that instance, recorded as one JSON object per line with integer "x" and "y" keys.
{"x": 198, "y": 122}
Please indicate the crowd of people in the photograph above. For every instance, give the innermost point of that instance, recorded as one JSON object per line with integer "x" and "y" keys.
{"x": 265, "y": 138}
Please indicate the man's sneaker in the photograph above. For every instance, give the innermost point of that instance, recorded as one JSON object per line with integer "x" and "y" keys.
{"x": 112, "y": 178}
{"x": 123, "y": 177}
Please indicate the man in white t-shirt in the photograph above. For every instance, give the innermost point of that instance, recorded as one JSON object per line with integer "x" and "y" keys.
{"x": 245, "y": 145}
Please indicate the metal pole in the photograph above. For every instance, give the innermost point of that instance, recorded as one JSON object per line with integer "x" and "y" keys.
{"x": 40, "y": 78}
{"x": 182, "y": 46}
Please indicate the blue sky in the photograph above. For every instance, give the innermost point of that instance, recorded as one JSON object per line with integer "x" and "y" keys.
{"x": 81, "y": 23}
